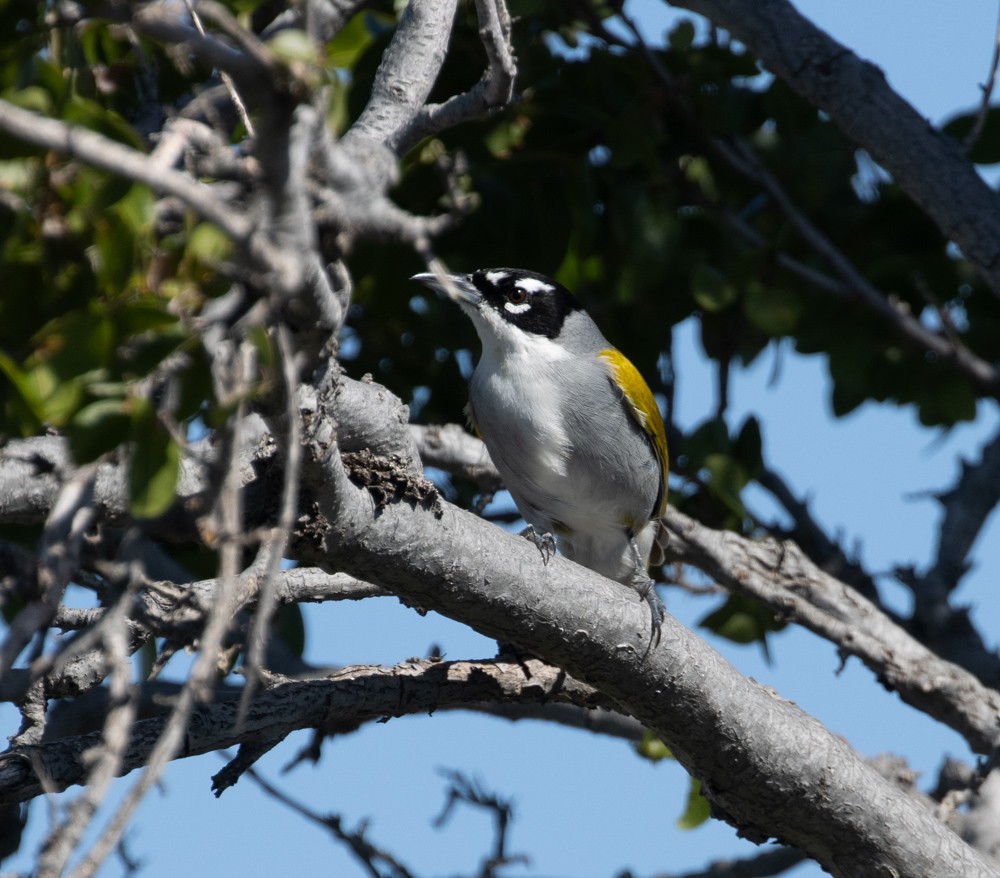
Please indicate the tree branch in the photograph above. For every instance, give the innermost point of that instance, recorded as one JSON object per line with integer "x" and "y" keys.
{"x": 493, "y": 91}
{"x": 984, "y": 104}
{"x": 742, "y": 158}
{"x": 100, "y": 152}
{"x": 749, "y": 749}
{"x": 781, "y": 576}
{"x": 369, "y": 855}
{"x": 966, "y": 508}
{"x": 927, "y": 164}
{"x": 409, "y": 67}
{"x": 59, "y": 554}
{"x": 167, "y": 24}
{"x": 762, "y": 865}
{"x": 982, "y": 374}
{"x": 451, "y": 448}
{"x": 356, "y": 694}
{"x": 814, "y": 541}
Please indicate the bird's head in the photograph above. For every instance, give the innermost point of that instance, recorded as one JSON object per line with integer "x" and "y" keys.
{"x": 508, "y": 301}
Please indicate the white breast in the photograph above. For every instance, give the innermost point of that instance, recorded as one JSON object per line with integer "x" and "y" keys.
{"x": 518, "y": 412}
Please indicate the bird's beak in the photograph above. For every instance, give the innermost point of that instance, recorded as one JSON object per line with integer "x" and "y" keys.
{"x": 457, "y": 287}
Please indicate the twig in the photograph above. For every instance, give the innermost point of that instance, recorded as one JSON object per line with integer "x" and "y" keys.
{"x": 814, "y": 540}
{"x": 69, "y": 518}
{"x": 167, "y": 24}
{"x": 63, "y": 839}
{"x": 366, "y": 853}
{"x": 463, "y": 789}
{"x": 246, "y": 756}
{"x": 742, "y": 157}
{"x": 966, "y": 507}
{"x": 987, "y": 89}
{"x": 198, "y": 687}
{"x": 226, "y": 78}
{"x": 928, "y": 166}
{"x": 275, "y": 547}
{"x": 164, "y": 610}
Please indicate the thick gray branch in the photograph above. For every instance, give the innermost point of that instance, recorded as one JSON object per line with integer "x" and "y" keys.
{"x": 927, "y": 164}
{"x": 409, "y": 67}
{"x": 492, "y": 92}
{"x": 752, "y": 751}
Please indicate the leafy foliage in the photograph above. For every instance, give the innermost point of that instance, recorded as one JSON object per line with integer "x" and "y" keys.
{"x": 648, "y": 183}
{"x": 608, "y": 173}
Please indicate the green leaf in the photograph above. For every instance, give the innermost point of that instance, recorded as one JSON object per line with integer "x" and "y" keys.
{"x": 708, "y": 437}
{"x": 346, "y": 47}
{"x": 726, "y": 479}
{"x": 154, "y": 465}
{"x": 291, "y": 628}
{"x": 699, "y": 172}
{"x": 951, "y": 401}
{"x": 294, "y": 45}
{"x": 852, "y": 362}
{"x": 147, "y": 658}
{"x": 682, "y": 36}
{"x": 774, "y": 310}
{"x": 143, "y": 315}
{"x": 18, "y": 175}
{"x": 652, "y": 748}
{"x": 113, "y": 253}
{"x": 34, "y": 98}
{"x": 136, "y": 209}
{"x": 97, "y": 428}
{"x": 90, "y": 114}
{"x": 743, "y": 620}
{"x": 11, "y": 607}
{"x": 208, "y": 243}
{"x": 697, "y": 810}
{"x": 28, "y": 415}
{"x": 49, "y": 399}
{"x": 986, "y": 150}
{"x": 711, "y": 290}
{"x": 747, "y": 447}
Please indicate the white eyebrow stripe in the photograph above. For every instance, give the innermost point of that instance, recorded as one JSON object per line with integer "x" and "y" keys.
{"x": 517, "y": 309}
{"x": 534, "y": 285}
{"x": 494, "y": 277}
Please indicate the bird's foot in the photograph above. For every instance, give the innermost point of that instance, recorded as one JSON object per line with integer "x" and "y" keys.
{"x": 646, "y": 588}
{"x": 545, "y": 543}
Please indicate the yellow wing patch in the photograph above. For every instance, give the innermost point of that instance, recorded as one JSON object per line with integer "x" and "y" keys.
{"x": 470, "y": 419}
{"x": 641, "y": 404}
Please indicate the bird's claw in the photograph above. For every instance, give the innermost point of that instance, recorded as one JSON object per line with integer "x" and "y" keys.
{"x": 646, "y": 588}
{"x": 545, "y": 543}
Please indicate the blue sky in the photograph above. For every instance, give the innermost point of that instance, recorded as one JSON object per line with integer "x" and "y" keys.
{"x": 586, "y": 806}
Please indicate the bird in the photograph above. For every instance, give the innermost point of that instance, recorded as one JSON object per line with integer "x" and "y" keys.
{"x": 569, "y": 422}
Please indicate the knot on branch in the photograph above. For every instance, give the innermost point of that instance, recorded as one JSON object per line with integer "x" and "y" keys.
{"x": 389, "y": 480}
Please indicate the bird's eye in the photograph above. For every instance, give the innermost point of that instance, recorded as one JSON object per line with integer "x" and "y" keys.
{"x": 517, "y": 296}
